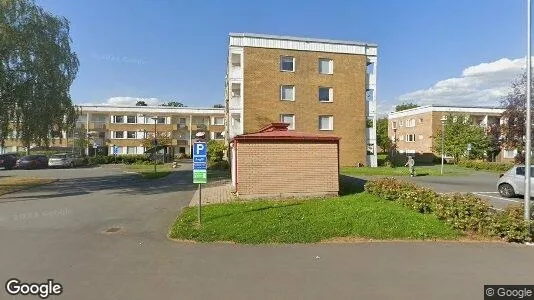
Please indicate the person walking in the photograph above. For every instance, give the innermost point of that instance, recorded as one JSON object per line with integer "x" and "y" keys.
{"x": 410, "y": 164}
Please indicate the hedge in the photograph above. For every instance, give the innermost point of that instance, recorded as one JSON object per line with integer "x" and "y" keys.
{"x": 463, "y": 212}
{"x": 484, "y": 165}
{"x": 120, "y": 159}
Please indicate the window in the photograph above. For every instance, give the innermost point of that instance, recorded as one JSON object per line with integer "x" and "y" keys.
{"x": 181, "y": 150}
{"x": 118, "y": 119}
{"x": 420, "y": 120}
{"x": 161, "y": 120}
{"x": 218, "y": 121}
{"x": 131, "y": 119}
{"x": 131, "y": 150}
{"x": 118, "y": 134}
{"x": 521, "y": 171}
{"x": 130, "y": 135}
{"x": 400, "y": 123}
{"x": 370, "y": 149}
{"x": 410, "y": 123}
{"x": 326, "y": 66}
{"x": 287, "y": 92}
{"x": 287, "y": 63}
{"x": 290, "y": 119}
{"x": 326, "y": 122}
{"x": 326, "y": 94}
{"x": 410, "y": 137}
{"x": 236, "y": 90}
{"x": 98, "y": 118}
{"x": 394, "y": 125}
{"x": 509, "y": 153}
{"x": 219, "y": 136}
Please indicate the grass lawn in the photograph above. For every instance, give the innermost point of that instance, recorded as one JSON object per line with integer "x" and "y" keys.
{"x": 10, "y": 184}
{"x": 147, "y": 171}
{"x": 307, "y": 221}
{"x": 448, "y": 170}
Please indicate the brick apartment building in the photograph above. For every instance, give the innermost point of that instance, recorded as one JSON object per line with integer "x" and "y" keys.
{"x": 323, "y": 87}
{"x": 127, "y": 126}
{"x": 414, "y": 129}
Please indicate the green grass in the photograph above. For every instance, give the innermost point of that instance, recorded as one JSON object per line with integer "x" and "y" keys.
{"x": 448, "y": 170}
{"x": 10, "y": 184}
{"x": 147, "y": 171}
{"x": 307, "y": 221}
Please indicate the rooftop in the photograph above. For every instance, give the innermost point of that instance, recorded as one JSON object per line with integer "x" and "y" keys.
{"x": 279, "y": 131}
{"x": 448, "y": 108}
{"x": 301, "y": 39}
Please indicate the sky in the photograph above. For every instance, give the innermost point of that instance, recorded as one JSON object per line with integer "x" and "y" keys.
{"x": 452, "y": 52}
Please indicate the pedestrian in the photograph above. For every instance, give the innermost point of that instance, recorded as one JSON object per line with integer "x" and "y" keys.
{"x": 410, "y": 164}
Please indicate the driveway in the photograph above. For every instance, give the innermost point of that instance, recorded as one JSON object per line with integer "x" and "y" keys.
{"x": 102, "y": 234}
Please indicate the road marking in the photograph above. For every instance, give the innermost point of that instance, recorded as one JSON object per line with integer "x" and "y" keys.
{"x": 485, "y": 192}
{"x": 500, "y": 198}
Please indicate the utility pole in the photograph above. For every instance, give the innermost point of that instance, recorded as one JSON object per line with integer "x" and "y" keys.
{"x": 528, "y": 148}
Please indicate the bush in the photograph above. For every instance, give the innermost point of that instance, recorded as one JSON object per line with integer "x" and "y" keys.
{"x": 484, "y": 165}
{"x": 147, "y": 162}
{"x": 220, "y": 165}
{"x": 98, "y": 160}
{"x": 131, "y": 159}
{"x": 215, "y": 151}
{"x": 463, "y": 212}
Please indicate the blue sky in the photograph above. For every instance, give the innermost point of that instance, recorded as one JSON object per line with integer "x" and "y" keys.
{"x": 430, "y": 51}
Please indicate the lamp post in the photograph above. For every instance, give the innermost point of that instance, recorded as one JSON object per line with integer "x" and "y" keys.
{"x": 528, "y": 148}
{"x": 155, "y": 140}
{"x": 443, "y": 119}
{"x": 394, "y": 146}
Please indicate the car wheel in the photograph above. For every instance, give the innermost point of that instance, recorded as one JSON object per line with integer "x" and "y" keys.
{"x": 506, "y": 190}
{"x": 71, "y": 165}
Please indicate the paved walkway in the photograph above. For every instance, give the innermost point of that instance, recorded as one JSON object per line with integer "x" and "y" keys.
{"x": 215, "y": 192}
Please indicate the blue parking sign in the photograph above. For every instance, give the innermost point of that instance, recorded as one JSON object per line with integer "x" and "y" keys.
{"x": 200, "y": 149}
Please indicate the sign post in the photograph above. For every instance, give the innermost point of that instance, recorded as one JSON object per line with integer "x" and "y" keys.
{"x": 468, "y": 150}
{"x": 200, "y": 175}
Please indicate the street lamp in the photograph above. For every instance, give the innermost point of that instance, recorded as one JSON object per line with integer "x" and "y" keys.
{"x": 443, "y": 119}
{"x": 393, "y": 154}
{"x": 155, "y": 140}
{"x": 528, "y": 119}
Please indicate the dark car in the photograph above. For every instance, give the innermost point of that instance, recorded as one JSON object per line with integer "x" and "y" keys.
{"x": 8, "y": 161}
{"x": 32, "y": 162}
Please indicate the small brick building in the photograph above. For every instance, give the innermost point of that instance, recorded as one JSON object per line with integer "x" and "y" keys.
{"x": 276, "y": 162}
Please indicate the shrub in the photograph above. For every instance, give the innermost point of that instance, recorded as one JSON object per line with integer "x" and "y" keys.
{"x": 98, "y": 160}
{"x": 215, "y": 151}
{"x": 147, "y": 162}
{"x": 220, "y": 165}
{"x": 131, "y": 159}
{"x": 464, "y": 212}
{"x": 484, "y": 165}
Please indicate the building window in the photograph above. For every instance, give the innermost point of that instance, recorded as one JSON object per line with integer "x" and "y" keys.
{"x": 183, "y": 121}
{"x": 290, "y": 119}
{"x": 400, "y": 124}
{"x": 131, "y": 119}
{"x": 410, "y": 123}
{"x": 410, "y": 137}
{"x": 326, "y": 122}
{"x": 161, "y": 120}
{"x": 98, "y": 118}
{"x": 131, "y": 150}
{"x": 370, "y": 149}
{"x": 118, "y": 119}
{"x": 287, "y": 92}
{"x": 509, "y": 153}
{"x": 181, "y": 150}
{"x": 218, "y": 121}
{"x": 287, "y": 63}
{"x": 394, "y": 125}
{"x": 420, "y": 120}
{"x": 219, "y": 136}
{"x": 118, "y": 134}
{"x": 130, "y": 135}
{"x": 326, "y": 66}
{"x": 326, "y": 94}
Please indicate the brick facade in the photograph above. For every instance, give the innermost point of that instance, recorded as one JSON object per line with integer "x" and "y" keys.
{"x": 262, "y": 105}
{"x": 278, "y": 168}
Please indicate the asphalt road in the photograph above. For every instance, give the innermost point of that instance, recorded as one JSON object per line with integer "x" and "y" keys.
{"x": 58, "y": 231}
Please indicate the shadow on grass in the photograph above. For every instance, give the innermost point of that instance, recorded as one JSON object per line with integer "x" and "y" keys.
{"x": 422, "y": 174}
{"x": 351, "y": 185}
{"x": 258, "y": 209}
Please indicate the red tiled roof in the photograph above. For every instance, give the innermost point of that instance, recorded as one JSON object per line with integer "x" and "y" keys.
{"x": 279, "y": 131}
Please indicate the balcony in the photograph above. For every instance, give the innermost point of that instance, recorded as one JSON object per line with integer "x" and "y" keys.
{"x": 370, "y": 133}
{"x": 216, "y": 128}
{"x": 200, "y": 127}
{"x": 180, "y": 142}
{"x": 141, "y": 127}
{"x": 370, "y": 108}
{"x": 97, "y": 126}
{"x": 370, "y": 81}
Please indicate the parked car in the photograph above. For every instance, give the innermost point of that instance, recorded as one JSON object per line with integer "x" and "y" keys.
{"x": 8, "y": 161}
{"x": 32, "y": 162}
{"x": 70, "y": 160}
{"x": 512, "y": 182}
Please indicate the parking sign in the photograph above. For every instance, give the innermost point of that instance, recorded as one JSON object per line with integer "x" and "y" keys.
{"x": 200, "y": 151}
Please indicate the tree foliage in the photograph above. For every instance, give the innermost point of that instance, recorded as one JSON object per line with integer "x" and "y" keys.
{"x": 173, "y": 104}
{"x": 405, "y": 106}
{"x": 162, "y": 138}
{"x": 218, "y": 106}
{"x": 514, "y": 116}
{"x": 459, "y": 132}
{"x": 215, "y": 151}
{"x": 141, "y": 103}
{"x": 382, "y": 138}
{"x": 37, "y": 68}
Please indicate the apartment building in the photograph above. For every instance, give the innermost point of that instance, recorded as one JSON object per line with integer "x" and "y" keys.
{"x": 414, "y": 129}
{"x": 318, "y": 86}
{"x": 125, "y": 127}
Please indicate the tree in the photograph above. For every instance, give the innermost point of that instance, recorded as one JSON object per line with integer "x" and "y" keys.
{"x": 215, "y": 151}
{"x": 37, "y": 68}
{"x": 514, "y": 116}
{"x": 162, "y": 138}
{"x": 173, "y": 104}
{"x": 218, "y": 106}
{"x": 141, "y": 103}
{"x": 382, "y": 139}
{"x": 459, "y": 132}
{"x": 405, "y": 106}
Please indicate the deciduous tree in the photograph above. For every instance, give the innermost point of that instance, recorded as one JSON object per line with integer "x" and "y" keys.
{"x": 405, "y": 106}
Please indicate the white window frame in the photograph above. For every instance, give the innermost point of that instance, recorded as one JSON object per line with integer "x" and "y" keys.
{"x": 218, "y": 138}
{"x": 135, "y": 134}
{"x": 393, "y": 124}
{"x": 215, "y": 118}
{"x": 401, "y": 123}
{"x": 282, "y": 63}
{"x": 134, "y": 122}
{"x": 134, "y": 147}
{"x": 330, "y": 65}
{"x": 410, "y": 138}
{"x": 115, "y": 119}
{"x": 330, "y": 94}
{"x": 114, "y": 135}
{"x": 282, "y": 93}
{"x": 331, "y": 123}
{"x": 291, "y": 124}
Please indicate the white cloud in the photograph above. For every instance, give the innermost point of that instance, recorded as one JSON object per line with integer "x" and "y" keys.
{"x": 125, "y": 101}
{"x": 484, "y": 84}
